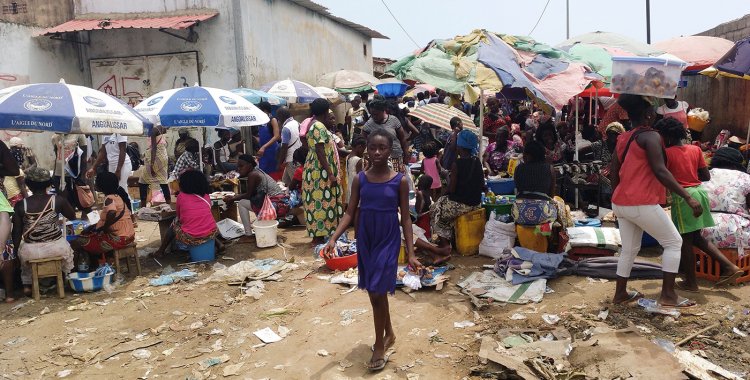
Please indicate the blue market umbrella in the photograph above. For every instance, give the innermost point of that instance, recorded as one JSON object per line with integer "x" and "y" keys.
{"x": 293, "y": 91}
{"x": 255, "y": 96}
{"x": 65, "y": 108}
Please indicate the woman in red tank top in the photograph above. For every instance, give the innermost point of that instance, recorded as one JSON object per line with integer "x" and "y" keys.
{"x": 639, "y": 177}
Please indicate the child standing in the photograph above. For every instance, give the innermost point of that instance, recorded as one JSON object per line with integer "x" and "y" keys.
{"x": 354, "y": 162}
{"x": 431, "y": 167}
{"x": 689, "y": 168}
{"x": 384, "y": 194}
{"x": 424, "y": 193}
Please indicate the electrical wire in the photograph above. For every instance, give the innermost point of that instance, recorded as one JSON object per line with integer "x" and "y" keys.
{"x": 402, "y": 27}
{"x": 540, "y": 18}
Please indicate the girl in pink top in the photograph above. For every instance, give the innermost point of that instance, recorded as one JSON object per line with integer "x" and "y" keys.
{"x": 639, "y": 177}
{"x": 431, "y": 167}
{"x": 194, "y": 224}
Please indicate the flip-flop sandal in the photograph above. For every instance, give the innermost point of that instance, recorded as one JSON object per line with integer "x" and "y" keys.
{"x": 684, "y": 288}
{"x": 380, "y": 367}
{"x": 729, "y": 280}
{"x": 684, "y": 304}
{"x": 387, "y": 348}
{"x": 634, "y": 295}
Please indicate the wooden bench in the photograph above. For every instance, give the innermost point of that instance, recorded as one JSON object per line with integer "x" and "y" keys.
{"x": 44, "y": 268}
{"x": 126, "y": 253}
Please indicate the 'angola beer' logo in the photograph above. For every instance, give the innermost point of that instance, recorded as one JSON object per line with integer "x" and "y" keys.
{"x": 191, "y": 106}
{"x": 37, "y": 105}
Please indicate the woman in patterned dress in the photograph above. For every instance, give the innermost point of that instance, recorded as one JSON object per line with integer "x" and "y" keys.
{"x": 155, "y": 165}
{"x": 321, "y": 190}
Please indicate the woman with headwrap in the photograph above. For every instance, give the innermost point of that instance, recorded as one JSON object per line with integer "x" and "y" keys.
{"x": 498, "y": 153}
{"x": 729, "y": 198}
{"x": 465, "y": 186}
{"x": 23, "y": 154}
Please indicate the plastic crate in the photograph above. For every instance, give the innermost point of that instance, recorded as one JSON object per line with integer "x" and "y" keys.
{"x": 503, "y": 186}
{"x": 649, "y": 76}
{"x": 498, "y": 208}
{"x": 707, "y": 268}
{"x": 469, "y": 232}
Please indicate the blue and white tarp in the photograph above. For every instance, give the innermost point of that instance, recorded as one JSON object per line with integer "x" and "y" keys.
{"x": 201, "y": 107}
{"x": 65, "y": 108}
{"x": 293, "y": 91}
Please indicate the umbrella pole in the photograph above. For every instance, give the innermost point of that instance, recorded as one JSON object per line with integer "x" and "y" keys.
{"x": 747, "y": 139}
{"x": 576, "y": 148}
{"x": 596, "y": 104}
{"x": 481, "y": 121}
{"x": 200, "y": 151}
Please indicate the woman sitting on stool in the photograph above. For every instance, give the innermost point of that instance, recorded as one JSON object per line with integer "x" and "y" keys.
{"x": 194, "y": 224}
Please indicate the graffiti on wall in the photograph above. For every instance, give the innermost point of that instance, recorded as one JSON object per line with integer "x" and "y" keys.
{"x": 132, "y": 79}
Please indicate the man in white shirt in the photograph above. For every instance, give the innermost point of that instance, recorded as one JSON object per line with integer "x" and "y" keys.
{"x": 290, "y": 142}
{"x": 114, "y": 148}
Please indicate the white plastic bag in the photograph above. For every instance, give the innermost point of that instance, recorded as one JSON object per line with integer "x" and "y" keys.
{"x": 497, "y": 236}
{"x": 230, "y": 229}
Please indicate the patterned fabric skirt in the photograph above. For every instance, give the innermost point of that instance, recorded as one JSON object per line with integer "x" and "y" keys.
{"x": 186, "y": 239}
{"x": 444, "y": 214}
{"x": 103, "y": 242}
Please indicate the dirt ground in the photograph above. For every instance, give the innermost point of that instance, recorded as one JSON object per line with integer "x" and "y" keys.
{"x": 184, "y": 325}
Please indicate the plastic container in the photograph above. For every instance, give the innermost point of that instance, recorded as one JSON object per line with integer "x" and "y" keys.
{"x": 203, "y": 252}
{"x": 265, "y": 233}
{"x": 342, "y": 263}
{"x": 696, "y": 124}
{"x": 710, "y": 269}
{"x": 502, "y": 186}
{"x": 499, "y": 209}
{"x": 135, "y": 204}
{"x": 87, "y": 281}
{"x": 391, "y": 90}
{"x": 649, "y": 76}
{"x": 469, "y": 232}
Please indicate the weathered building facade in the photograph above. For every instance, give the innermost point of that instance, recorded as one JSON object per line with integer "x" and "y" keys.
{"x": 132, "y": 49}
{"x": 727, "y": 99}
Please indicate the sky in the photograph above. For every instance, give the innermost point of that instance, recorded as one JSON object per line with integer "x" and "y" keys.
{"x": 425, "y": 20}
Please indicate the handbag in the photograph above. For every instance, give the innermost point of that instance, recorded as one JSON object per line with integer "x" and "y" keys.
{"x": 85, "y": 195}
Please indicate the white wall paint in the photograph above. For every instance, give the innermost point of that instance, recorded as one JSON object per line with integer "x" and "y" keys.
{"x": 35, "y": 60}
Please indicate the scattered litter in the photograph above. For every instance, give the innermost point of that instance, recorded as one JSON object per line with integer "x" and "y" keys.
{"x": 603, "y": 314}
{"x": 26, "y": 321}
{"x": 463, "y": 324}
{"x": 517, "y": 340}
{"x": 643, "y": 329}
{"x": 283, "y": 331}
{"x": 16, "y": 341}
{"x": 592, "y": 280}
{"x": 196, "y": 325}
{"x": 350, "y": 277}
{"x": 254, "y": 289}
{"x": 83, "y": 306}
{"x": 20, "y": 305}
{"x": 739, "y": 332}
{"x": 64, "y": 373}
{"x": 171, "y": 278}
{"x": 442, "y": 356}
{"x": 279, "y": 367}
{"x": 141, "y": 354}
{"x": 412, "y": 281}
{"x": 168, "y": 351}
{"x": 347, "y": 316}
{"x": 489, "y": 284}
{"x": 216, "y": 332}
{"x": 260, "y": 269}
{"x": 217, "y": 346}
{"x": 322, "y": 353}
{"x": 652, "y": 306}
{"x": 548, "y": 290}
{"x": 44, "y": 311}
{"x": 344, "y": 364}
{"x": 232, "y": 369}
{"x": 145, "y": 252}
{"x": 517, "y": 317}
{"x": 267, "y": 335}
{"x": 551, "y": 319}
{"x": 210, "y": 362}
{"x": 260, "y": 364}
{"x": 277, "y": 312}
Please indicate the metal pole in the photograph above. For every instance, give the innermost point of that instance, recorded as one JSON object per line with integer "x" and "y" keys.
{"x": 576, "y": 149}
{"x": 648, "y": 21}
{"x": 567, "y": 19}
{"x": 481, "y": 121}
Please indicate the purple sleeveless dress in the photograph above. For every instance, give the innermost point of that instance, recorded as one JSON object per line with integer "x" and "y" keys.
{"x": 378, "y": 234}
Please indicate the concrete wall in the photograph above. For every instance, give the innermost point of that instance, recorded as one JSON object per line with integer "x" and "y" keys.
{"x": 35, "y": 60}
{"x": 39, "y": 12}
{"x": 282, "y": 39}
{"x": 726, "y": 99}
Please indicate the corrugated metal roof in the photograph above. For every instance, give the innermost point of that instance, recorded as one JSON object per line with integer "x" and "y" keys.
{"x": 317, "y": 8}
{"x": 142, "y": 22}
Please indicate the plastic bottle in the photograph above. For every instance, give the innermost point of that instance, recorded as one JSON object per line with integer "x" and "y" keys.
{"x": 484, "y": 198}
{"x": 490, "y": 197}
{"x": 83, "y": 263}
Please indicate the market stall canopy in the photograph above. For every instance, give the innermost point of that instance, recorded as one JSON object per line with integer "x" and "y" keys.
{"x": 330, "y": 94}
{"x": 699, "y": 51}
{"x": 420, "y": 87}
{"x": 255, "y": 96}
{"x": 293, "y": 91}
{"x": 201, "y": 107}
{"x": 490, "y": 61}
{"x": 612, "y": 40}
{"x": 734, "y": 64}
{"x": 597, "y": 57}
{"x": 348, "y": 81}
{"x": 128, "y": 21}
{"x": 66, "y": 108}
{"x": 440, "y": 115}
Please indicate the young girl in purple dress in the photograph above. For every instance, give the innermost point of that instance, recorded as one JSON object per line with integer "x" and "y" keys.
{"x": 378, "y": 195}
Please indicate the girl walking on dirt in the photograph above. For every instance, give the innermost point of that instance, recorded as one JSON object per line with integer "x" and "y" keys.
{"x": 378, "y": 195}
